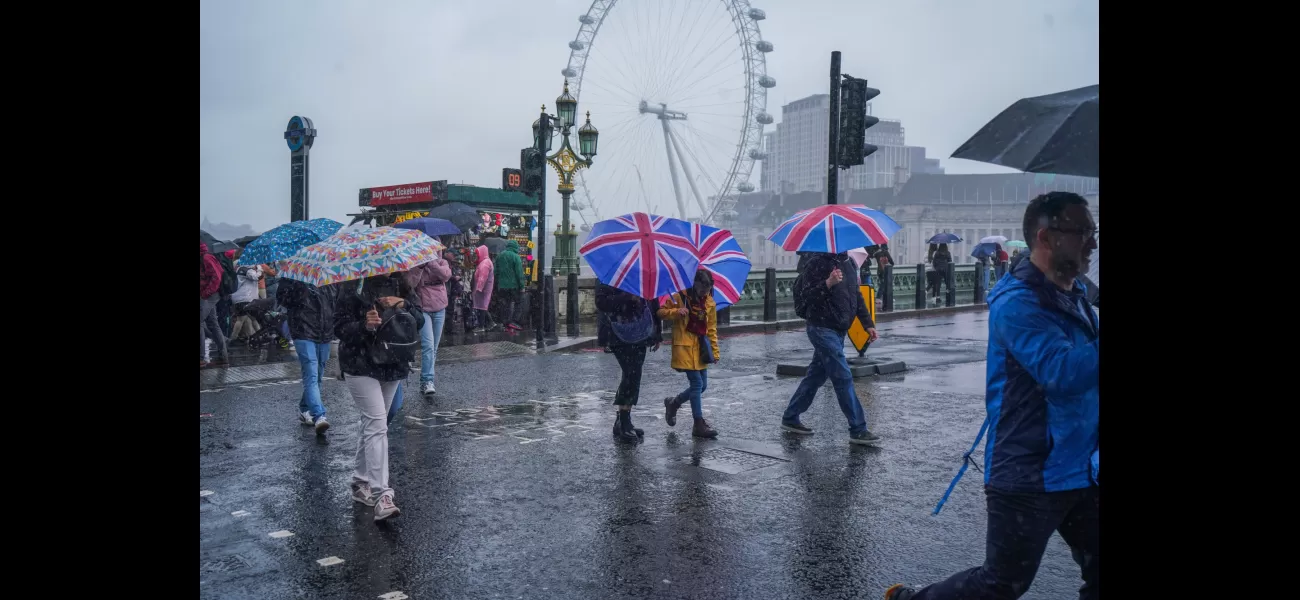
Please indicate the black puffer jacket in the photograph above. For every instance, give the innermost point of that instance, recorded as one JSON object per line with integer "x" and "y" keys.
{"x": 311, "y": 309}
{"x": 617, "y": 304}
{"x": 350, "y": 325}
{"x": 835, "y": 307}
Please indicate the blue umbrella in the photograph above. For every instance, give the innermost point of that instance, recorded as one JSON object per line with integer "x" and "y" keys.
{"x": 322, "y": 227}
{"x": 944, "y": 238}
{"x": 430, "y": 226}
{"x": 286, "y": 240}
{"x": 985, "y": 250}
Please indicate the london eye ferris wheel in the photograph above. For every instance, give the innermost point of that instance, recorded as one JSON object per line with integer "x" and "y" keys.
{"x": 681, "y": 90}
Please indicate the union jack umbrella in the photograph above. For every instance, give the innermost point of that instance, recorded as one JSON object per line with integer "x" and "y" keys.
{"x": 834, "y": 228}
{"x": 719, "y": 253}
{"x": 646, "y": 255}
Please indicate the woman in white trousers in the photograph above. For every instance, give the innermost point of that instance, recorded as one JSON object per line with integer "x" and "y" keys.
{"x": 356, "y": 319}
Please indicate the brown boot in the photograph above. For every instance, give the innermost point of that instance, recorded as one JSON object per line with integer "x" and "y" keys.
{"x": 670, "y": 410}
{"x": 702, "y": 429}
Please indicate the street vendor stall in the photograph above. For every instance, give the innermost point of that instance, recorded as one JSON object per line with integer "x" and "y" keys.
{"x": 486, "y": 216}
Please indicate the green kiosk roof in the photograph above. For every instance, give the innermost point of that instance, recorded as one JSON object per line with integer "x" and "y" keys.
{"x": 490, "y": 198}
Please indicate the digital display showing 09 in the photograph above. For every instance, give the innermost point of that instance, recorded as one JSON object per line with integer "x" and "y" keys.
{"x": 511, "y": 179}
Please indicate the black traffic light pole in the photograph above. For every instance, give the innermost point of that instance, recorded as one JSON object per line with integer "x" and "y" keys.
{"x": 833, "y": 159}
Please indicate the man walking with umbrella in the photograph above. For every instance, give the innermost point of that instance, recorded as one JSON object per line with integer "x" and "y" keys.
{"x": 827, "y": 296}
{"x": 1041, "y": 462}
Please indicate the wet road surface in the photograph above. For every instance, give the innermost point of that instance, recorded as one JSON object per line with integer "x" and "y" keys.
{"x": 511, "y": 486}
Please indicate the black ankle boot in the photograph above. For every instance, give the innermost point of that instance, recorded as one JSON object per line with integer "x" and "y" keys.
{"x": 627, "y": 425}
{"x": 670, "y": 410}
{"x": 622, "y": 428}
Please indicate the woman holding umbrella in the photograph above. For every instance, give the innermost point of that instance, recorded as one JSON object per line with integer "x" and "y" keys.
{"x": 694, "y": 315}
{"x": 635, "y": 325}
{"x": 373, "y": 380}
{"x": 377, "y": 319}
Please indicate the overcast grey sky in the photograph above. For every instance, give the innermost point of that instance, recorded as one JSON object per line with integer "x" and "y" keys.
{"x": 404, "y": 91}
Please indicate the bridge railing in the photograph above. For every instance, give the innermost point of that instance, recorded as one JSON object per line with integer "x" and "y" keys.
{"x": 904, "y": 284}
{"x": 757, "y": 302}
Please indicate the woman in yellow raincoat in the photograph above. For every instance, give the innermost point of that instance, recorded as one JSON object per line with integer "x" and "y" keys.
{"x": 694, "y": 316}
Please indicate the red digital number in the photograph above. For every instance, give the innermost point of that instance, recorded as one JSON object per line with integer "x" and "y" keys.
{"x": 513, "y": 178}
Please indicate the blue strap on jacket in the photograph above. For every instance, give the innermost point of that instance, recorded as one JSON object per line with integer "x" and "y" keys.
{"x": 966, "y": 461}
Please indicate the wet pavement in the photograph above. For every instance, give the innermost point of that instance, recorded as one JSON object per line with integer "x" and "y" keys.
{"x": 511, "y": 486}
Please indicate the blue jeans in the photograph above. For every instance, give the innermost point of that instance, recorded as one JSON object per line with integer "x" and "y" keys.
{"x": 312, "y": 356}
{"x": 699, "y": 381}
{"x": 430, "y": 337}
{"x": 828, "y": 362}
{"x": 397, "y": 400}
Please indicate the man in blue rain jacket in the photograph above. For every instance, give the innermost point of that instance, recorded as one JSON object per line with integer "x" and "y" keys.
{"x": 1040, "y": 465}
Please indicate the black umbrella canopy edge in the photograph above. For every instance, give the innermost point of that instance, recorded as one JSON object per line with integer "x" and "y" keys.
{"x": 1044, "y": 157}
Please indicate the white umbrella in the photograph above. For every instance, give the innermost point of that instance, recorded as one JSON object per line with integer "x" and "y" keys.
{"x": 994, "y": 239}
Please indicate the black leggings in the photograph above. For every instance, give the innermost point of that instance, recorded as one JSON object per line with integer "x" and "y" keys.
{"x": 630, "y": 361}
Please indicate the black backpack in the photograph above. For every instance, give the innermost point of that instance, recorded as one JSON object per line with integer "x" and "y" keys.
{"x": 229, "y": 277}
{"x": 396, "y": 339}
{"x": 800, "y": 298}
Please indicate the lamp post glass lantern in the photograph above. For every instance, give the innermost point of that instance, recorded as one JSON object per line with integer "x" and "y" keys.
{"x": 587, "y": 136}
{"x": 566, "y": 163}
{"x": 567, "y": 106}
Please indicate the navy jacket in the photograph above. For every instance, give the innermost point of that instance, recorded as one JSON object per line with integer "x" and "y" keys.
{"x": 1042, "y": 399}
{"x": 835, "y": 307}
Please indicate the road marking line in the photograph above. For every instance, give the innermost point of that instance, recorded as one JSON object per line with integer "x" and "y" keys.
{"x": 394, "y": 596}
{"x": 203, "y": 493}
{"x": 240, "y": 513}
{"x": 329, "y": 561}
{"x": 283, "y": 533}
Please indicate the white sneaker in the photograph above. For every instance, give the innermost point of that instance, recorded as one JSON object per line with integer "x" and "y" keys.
{"x": 361, "y": 493}
{"x": 427, "y": 389}
{"x": 305, "y": 418}
{"x": 385, "y": 509}
{"x": 322, "y": 425}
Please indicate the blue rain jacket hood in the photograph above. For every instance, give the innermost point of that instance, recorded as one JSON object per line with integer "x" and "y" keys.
{"x": 1042, "y": 396}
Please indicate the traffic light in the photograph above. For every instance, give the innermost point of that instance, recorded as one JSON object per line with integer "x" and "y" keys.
{"x": 533, "y": 167}
{"x": 854, "y": 122}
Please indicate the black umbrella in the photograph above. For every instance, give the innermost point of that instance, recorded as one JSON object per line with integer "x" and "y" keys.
{"x": 459, "y": 214}
{"x": 246, "y": 240}
{"x": 215, "y": 246}
{"x": 495, "y": 244}
{"x": 1057, "y": 133}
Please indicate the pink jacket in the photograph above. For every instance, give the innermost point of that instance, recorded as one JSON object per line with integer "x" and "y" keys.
{"x": 483, "y": 279}
{"x": 428, "y": 282}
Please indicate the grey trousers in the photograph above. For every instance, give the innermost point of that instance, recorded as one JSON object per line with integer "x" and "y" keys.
{"x": 373, "y": 399}
{"x": 208, "y": 323}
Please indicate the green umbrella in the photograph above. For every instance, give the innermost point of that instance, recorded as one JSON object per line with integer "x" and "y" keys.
{"x": 1017, "y": 244}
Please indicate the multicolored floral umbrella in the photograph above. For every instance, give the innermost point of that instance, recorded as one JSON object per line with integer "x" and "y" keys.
{"x": 358, "y": 254}
{"x": 286, "y": 240}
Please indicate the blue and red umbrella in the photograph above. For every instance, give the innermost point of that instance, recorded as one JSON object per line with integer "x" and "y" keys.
{"x": 646, "y": 255}
{"x": 719, "y": 253}
{"x": 834, "y": 228}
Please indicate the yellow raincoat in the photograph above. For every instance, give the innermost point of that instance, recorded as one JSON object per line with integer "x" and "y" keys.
{"x": 686, "y": 345}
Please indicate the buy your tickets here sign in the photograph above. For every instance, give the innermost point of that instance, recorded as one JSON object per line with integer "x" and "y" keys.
{"x": 428, "y": 191}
